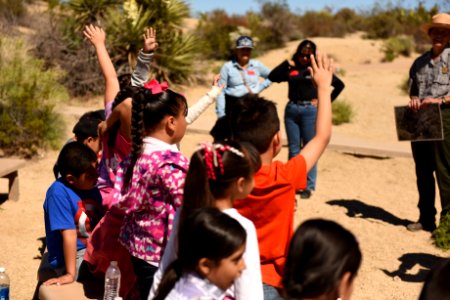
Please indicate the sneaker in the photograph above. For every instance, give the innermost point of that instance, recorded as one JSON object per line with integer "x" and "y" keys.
{"x": 418, "y": 226}
{"x": 305, "y": 194}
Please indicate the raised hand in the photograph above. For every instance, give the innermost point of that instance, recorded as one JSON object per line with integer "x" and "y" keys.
{"x": 321, "y": 70}
{"x": 150, "y": 43}
{"x": 96, "y": 35}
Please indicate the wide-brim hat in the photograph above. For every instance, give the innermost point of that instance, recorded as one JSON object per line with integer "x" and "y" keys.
{"x": 437, "y": 21}
{"x": 244, "y": 42}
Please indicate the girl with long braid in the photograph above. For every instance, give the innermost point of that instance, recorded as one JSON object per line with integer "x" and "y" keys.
{"x": 151, "y": 186}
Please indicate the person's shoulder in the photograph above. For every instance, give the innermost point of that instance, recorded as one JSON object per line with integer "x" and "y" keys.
{"x": 246, "y": 223}
{"x": 170, "y": 157}
{"x": 57, "y": 187}
{"x": 424, "y": 56}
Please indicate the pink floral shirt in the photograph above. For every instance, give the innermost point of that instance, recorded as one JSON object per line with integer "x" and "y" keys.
{"x": 150, "y": 203}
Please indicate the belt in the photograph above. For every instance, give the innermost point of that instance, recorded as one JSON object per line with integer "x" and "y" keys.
{"x": 299, "y": 102}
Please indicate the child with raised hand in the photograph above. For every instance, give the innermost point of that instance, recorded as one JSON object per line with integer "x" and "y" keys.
{"x": 270, "y": 205}
{"x": 322, "y": 262}
{"x": 151, "y": 189}
{"x": 210, "y": 257}
{"x": 218, "y": 175}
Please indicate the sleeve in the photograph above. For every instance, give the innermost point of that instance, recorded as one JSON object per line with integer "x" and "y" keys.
{"x": 60, "y": 214}
{"x": 413, "y": 90}
{"x": 295, "y": 170}
{"x": 264, "y": 73}
{"x": 280, "y": 73}
{"x": 140, "y": 74}
{"x": 198, "y": 108}
{"x": 220, "y": 101}
{"x": 170, "y": 254}
{"x": 172, "y": 177}
{"x": 249, "y": 284}
{"x": 338, "y": 86}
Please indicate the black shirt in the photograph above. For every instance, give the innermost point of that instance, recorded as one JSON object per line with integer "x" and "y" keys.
{"x": 301, "y": 86}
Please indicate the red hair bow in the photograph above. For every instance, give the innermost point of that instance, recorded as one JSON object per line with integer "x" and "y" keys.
{"x": 156, "y": 87}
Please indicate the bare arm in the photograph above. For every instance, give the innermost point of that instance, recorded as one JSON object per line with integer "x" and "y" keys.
{"x": 122, "y": 113}
{"x": 322, "y": 72}
{"x": 69, "y": 239}
{"x": 96, "y": 35}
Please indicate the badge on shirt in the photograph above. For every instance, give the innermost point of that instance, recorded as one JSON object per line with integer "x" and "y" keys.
{"x": 251, "y": 72}
{"x": 293, "y": 73}
{"x": 444, "y": 69}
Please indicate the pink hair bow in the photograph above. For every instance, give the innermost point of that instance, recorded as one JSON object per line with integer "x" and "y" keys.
{"x": 156, "y": 87}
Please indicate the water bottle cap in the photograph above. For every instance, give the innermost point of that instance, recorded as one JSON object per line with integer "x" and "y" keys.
{"x": 113, "y": 263}
{"x": 118, "y": 298}
{"x": 2, "y": 270}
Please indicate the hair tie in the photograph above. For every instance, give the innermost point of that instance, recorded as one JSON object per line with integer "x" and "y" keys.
{"x": 155, "y": 87}
{"x": 212, "y": 155}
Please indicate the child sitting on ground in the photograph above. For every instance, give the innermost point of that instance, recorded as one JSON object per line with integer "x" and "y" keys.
{"x": 271, "y": 203}
{"x": 72, "y": 208}
{"x": 218, "y": 175}
{"x": 211, "y": 246}
{"x": 322, "y": 263}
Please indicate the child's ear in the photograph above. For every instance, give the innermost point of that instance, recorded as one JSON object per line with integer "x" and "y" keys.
{"x": 204, "y": 266}
{"x": 240, "y": 184}
{"x": 345, "y": 286}
{"x": 70, "y": 179}
{"x": 170, "y": 123}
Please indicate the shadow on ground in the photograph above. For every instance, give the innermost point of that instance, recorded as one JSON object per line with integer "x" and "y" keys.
{"x": 409, "y": 261}
{"x": 358, "y": 209}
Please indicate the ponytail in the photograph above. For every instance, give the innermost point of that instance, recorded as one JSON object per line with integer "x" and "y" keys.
{"x": 169, "y": 279}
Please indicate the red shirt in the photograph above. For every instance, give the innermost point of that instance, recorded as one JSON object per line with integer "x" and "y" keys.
{"x": 270, "y": 206}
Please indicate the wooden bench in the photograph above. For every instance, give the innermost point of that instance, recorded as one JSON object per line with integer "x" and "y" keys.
{"x": 9, "y": 169}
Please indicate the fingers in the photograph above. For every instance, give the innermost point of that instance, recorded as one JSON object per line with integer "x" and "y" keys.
{"x": 216, "y": 79}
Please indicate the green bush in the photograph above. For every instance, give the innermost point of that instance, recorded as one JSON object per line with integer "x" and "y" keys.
{"x": 342, "y": 112}
{"x": 396, "y": 46}
{"x": 27, "y": 98}
{"x": 442, "y": 234}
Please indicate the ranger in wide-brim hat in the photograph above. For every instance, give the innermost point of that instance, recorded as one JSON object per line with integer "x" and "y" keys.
{"x": 437, "y": 21}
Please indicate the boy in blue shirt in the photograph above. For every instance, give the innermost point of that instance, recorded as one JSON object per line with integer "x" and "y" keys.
{"x": 72, "y": 208}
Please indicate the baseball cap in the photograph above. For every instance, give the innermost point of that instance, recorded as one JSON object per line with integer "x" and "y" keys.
{"x": 244, "y": 42}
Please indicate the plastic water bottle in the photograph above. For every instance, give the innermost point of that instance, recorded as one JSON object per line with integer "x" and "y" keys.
{"x": 4, "y": 285}
{"x": 112, "y": 281}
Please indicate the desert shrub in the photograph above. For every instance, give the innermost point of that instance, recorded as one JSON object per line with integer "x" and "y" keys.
{"x": 442, "y": 234}
{"x": 27, "y": 97}
{"x": 396, "y": 46}
{"x": 342, "y": 112}
{"x": 321, "y": 23}
{"x": 10, "y": 10}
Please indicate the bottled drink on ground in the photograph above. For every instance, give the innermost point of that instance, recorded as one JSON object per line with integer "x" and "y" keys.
{"x": 4, "y": 285}
{"x": 112, "y": 282}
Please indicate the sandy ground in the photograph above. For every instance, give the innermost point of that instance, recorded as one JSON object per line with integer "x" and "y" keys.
{"x": 374, "y": 198}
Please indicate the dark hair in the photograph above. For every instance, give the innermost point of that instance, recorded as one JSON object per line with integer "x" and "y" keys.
{"x": 436, "y": 286}
{"x": 75, "y": 158}
{"x": 147, "y": 111}
{"x": 320, "y": 253}
{"x": 87, "y": 125}
{"x": 206, "y": 233}
{"x": 200, "y": 190}
{"x": 303, "y": 44}
{"x": 121, "y": 96}
{"x": 255, "y": 120}
{"x": 124, "y": 80}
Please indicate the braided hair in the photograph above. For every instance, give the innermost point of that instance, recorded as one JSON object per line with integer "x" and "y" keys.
{"x": 148, "y": 110}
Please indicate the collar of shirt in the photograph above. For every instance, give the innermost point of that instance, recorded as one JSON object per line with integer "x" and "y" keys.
{"x": 153, "y": 144}
{"x": 204, "y": 285}
{"x": 251, "y": 64}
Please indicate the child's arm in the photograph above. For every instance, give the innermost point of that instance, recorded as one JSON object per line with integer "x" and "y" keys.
{"x": 145, "y": 56}
{"x": 96, "y": 35}
{"x": 69, "y": 239}
{"x": 121, "y": 112}
{"x": 322, "y": 73}
{"x": 203, "y": 103}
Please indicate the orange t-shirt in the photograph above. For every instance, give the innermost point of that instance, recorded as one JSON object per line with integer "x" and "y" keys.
{"x": 270, "y": 207}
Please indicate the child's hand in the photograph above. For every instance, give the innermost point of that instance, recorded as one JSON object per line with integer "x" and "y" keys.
{"x": 150, "y": 43}
{"x": 216, "y": 89}
{"x": 102, "y": 128}
{"x": 321, "y": 70}
{"x": 65, "y": 279}
{"x": 96, "y": 35}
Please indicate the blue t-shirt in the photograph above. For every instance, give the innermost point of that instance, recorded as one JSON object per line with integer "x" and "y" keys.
{"x": 66, "y": 208}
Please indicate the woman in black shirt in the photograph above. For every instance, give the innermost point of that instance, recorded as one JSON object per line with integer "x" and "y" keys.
{"x": 301, "y": 110}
